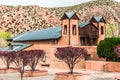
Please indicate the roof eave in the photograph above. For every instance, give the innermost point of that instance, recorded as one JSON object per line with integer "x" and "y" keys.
{"x": 9, "y": 39}
{"x": 24, "y": 48}
{"x": 35, "y": 40}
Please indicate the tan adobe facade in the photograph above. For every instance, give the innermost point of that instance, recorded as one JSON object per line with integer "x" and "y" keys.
{"x": 71, "y": 32}
{"x": 81, "y": 34}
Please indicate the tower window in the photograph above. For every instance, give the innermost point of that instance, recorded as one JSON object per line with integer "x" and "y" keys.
{"x": 74, "y": 29}
{"x": 102, "y": 31}
{"x": 65, "y": 30}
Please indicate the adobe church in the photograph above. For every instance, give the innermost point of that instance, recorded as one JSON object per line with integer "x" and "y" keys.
{"x": 70, "y": 32}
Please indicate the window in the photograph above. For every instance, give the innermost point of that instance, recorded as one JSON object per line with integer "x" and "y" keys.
{"x": 102, "y": 31}
{"x": 65, "y": 30}
{"x": 82, "y": 41}
{"x": 55, "y": 41}
{"x": 74, "y": 29}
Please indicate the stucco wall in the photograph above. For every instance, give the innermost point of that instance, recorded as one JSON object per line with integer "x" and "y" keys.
{"x": 101, "y": 36}
{"x": 55, "y": 63}
{"x": 74, "y": 39}
{"x": 102, "y": 66}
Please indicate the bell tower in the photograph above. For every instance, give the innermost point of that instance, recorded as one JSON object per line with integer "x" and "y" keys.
{"x": 70, "y": 34}
{"x": 99, "y": 22}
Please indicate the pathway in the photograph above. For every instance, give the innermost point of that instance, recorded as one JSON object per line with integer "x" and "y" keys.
{"x": 95, "y": 75}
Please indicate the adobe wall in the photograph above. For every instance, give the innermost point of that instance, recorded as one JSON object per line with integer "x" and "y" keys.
{"x": 1, "y": 63}
{"x": 42, "y": 46}
{"x": 64, "y": 40}
{"x": 103, "y": 66}
{"x": 59, "y": 64}
{"x": 101, "y": 36}
{"x": 56, "y": 63}
{"x": 74, "y": 39}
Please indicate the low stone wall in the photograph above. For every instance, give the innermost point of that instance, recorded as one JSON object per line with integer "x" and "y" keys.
{"x": 62, "y": 65}
{"x": 75, "y": 76}
{"x": 30, "y": 73}
{"x": 102, "y": 66}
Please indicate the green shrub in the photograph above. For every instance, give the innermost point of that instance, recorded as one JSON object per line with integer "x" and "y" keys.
{"x": 105, "y": 49}
{"x": 3, "y": 36}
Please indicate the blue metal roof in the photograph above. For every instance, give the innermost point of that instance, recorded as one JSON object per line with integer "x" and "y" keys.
{"x": 97, "y": 18}
{"x": 43, "y": 34}
{"x": 69, "y": 14}
{"x": 83, "y": 24}
{"x": 16, "y": 47}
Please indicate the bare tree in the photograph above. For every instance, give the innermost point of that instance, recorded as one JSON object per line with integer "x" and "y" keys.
{"x": 112, "y": 11}
{"x": 70, "y": 55}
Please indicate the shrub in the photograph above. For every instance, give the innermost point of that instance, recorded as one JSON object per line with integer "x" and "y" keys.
{"x": 7, "y": 58}
{"x": 3, "y": 36}
{"x": 35, "y": 56}
{"x": 21, "y": 59}
{"x": 70, "y": 55}
{"x": 24, "y": 58}
{"x": 117, "y": 51}
{"x": 105, "y": 49}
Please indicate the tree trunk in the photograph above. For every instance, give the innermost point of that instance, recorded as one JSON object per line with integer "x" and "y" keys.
{"x": 33, "y": 68}
{"x": 8, "y": 64}
{"x": 22, "y": 72}
{"x": 71, "y": 68}
{"x": 112, "y": 31}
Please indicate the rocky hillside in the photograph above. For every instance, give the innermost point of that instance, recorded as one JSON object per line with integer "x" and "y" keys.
{"x": 106, "y": 8}
{"x": 24, "y": 18}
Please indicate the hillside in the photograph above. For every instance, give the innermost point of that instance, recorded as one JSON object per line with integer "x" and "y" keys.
{"x": 24, "y": 18}
{"x": 86, "y": 10}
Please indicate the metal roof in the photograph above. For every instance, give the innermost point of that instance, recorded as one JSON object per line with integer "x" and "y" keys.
{"x": 69, "y": 14}
{"x": 16, "y": 47}
{"x": 43, "y": 34}
{"x": 83, "y": 24}
{"x": 97, "y": 18}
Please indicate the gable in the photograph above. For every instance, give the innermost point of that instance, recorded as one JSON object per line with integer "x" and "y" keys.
{"x": 97, "y": 19}
{"x": 85, "y": 24}
{"x": 69, "y": 15}
{"x": 88, "y": 29}
{"x": 64, "y": 17}
{"x": 75, "y": 17}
